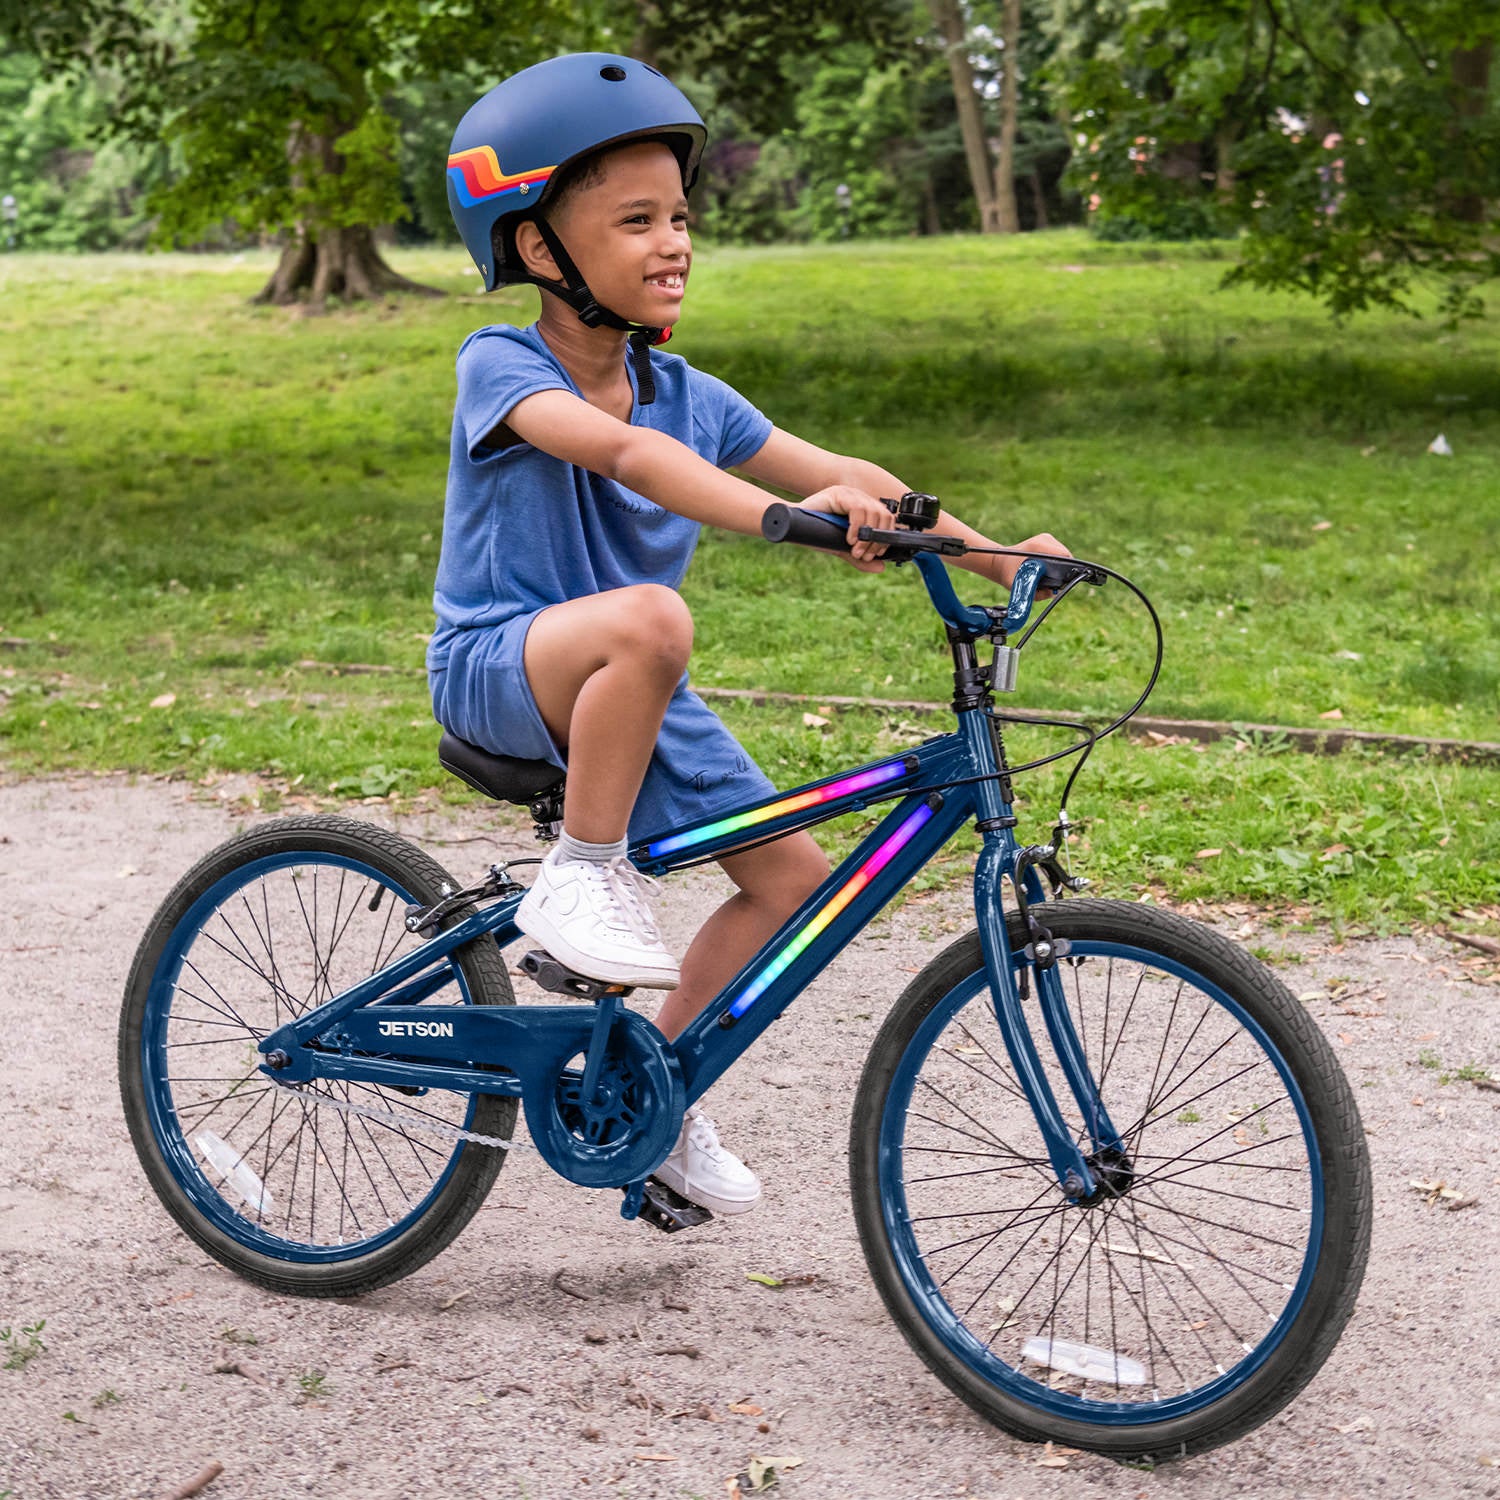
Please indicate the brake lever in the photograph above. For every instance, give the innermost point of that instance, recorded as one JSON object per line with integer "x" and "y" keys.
{"x": 909, "y": 543}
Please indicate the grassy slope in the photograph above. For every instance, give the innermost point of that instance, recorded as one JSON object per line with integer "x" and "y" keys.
{"x": 198, "y": 496}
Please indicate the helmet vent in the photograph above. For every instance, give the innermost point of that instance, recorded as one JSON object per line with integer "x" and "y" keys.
{"x": 614, "y": 72}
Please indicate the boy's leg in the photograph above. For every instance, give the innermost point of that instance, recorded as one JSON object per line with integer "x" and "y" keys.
{"x": 773, "y": 882}
{"x": 602, "y": 671}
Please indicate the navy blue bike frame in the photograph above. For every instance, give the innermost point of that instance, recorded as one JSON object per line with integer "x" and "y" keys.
{"x": 941, "y": 785}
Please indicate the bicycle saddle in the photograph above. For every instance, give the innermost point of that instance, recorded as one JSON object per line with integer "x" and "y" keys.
{"x": 502, "y": 777}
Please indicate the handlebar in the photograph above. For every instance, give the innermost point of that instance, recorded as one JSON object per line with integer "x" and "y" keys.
{"x": 815, "y": 528}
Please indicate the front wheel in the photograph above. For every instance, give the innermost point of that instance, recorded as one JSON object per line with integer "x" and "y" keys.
{"x": 1211, "y": 1273}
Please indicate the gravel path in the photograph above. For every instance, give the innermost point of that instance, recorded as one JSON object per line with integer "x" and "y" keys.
{"x": 488, "y": 1374}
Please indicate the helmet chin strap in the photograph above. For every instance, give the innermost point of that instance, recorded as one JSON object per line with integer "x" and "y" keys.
{"x": 574, "y": 291}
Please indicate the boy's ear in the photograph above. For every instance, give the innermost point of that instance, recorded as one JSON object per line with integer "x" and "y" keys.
{"x": 535, "y": 255}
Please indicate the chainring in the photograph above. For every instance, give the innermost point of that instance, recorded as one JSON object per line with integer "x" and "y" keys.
{"x": 629, "y": 1125}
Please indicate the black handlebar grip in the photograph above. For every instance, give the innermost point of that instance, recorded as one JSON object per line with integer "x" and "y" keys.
{"x": 809, "y": 528}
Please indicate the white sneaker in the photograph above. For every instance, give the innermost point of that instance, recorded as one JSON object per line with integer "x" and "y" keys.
{"x": 595, "y": 918}
{"x": 705, "y": 1173}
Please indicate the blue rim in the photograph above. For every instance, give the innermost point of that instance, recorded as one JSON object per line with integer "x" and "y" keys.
{"x": 956, "y": 1336}
{"x": 169, "y": 1135}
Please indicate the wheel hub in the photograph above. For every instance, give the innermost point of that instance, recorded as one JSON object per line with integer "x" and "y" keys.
{"x": 1114, "y": 1173}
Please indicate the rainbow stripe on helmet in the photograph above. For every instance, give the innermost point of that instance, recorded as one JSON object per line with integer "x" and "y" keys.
{"x": 476, "y": 176}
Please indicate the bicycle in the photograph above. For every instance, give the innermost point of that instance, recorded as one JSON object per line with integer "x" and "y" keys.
{"x": 1143, "y": 1238}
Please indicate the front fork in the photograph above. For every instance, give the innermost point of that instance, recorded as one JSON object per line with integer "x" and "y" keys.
{"x": 1000, "y": 860}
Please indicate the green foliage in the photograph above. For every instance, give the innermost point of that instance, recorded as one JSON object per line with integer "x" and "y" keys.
{"x": 22, "y": 1345}
{"x": 1354, "y": 145}
{"x": 73, "y": 191}
{"x": 284, "y": 114}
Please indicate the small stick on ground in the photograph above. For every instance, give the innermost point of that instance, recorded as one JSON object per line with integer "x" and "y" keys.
{"x": 572, "y": 1291}
{"x": 200, "y": 1481}
{"x": 1472, "y": 940}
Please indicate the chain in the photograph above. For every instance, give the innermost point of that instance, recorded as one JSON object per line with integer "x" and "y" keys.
{"x": 421, "y": 1125}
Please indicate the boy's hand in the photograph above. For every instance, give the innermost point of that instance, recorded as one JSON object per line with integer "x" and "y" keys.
{"x": 862, "y": 510}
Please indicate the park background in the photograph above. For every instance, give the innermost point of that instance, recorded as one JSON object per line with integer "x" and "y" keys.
{"x": 1196, "y": 287}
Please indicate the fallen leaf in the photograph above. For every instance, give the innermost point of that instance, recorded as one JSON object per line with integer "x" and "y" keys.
{"x": 1333, "y": 713}
{"x": 814, "y": 721}
{"x": 746, "y": 1409}
{"x": 656, "y": 1458}
{"x": 1051, "y": 1459}
{"x": 1345, "y": 1038}
{"x": 761, "y": 1279}
{"x": 1208, "y": 854}
{"x": 164, "y": 700}
{"x": 452, "y": 1301}
{"x": 476, "y": 1401}
{"x": 1322, "y": 525}
{"x": 762, "y": 1472}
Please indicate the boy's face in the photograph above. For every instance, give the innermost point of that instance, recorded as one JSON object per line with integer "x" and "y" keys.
{"x": 627, "y": 231}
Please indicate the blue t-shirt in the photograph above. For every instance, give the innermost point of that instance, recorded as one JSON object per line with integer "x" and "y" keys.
{"x": 522, "y": 530}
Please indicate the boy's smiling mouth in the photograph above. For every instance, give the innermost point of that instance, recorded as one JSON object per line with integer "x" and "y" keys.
{"x": 668, "y": 281}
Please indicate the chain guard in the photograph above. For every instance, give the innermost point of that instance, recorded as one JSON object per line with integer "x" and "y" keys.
{"x": 630, "y": 1125}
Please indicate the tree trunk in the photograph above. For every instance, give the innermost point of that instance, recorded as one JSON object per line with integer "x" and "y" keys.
{"x": 949, "y": 20}
{"x": 1224, "y": 142}
{"x": 931, "y": 223}
{"x": 644, "y": 44}
{"x": 1039, "y": 195}
{"x": 324, "y": 262}
{"x": 1470, "y": 75}
{"x": 1007, "y": 217}
{"x": 343, "y": 263}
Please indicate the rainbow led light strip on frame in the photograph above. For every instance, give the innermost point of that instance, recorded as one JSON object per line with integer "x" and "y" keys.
{"x": 841, "y": 898}
{"x": 860, "y": 781}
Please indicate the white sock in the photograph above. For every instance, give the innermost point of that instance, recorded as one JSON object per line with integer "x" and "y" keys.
{"x": 593, "y": 854}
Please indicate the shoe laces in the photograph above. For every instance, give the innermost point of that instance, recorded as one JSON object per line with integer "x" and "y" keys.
{"x": 704, "y": 1134}
{"x": 626, "y": 894}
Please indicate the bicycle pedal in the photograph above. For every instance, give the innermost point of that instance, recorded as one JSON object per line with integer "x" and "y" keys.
{"x": 667, "y": 1210}
{"x": 559, "y": 979}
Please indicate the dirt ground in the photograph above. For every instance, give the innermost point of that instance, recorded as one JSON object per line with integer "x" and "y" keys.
{"x": 539, "y": 1385}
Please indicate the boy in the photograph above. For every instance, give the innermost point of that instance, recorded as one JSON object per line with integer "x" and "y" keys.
{"x": 582, "y": 468}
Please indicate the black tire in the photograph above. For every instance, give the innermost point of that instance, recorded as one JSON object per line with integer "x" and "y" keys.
{"x": 277, "y": 919}
{"x": 1207, "y": 1284}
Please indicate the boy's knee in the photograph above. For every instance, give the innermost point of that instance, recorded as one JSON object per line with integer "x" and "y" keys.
{"x": 653, "y": 620}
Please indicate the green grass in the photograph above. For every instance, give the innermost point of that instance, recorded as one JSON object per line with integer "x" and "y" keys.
{"x": 201, "y": 496}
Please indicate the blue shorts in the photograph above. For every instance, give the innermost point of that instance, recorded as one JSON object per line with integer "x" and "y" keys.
{"x": 698, "y": 770}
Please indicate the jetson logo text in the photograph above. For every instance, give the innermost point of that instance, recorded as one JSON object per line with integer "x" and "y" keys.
{"x": 416, "y": 1028}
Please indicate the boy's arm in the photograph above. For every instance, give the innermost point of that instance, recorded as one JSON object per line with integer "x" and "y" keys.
{"x": 792, "y": 463}
{"x": 668, "y": 472}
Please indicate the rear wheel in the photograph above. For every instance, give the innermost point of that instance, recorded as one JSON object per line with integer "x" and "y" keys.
{"x": 282, "y": 1185}
{"x": 1210, "y": 1275}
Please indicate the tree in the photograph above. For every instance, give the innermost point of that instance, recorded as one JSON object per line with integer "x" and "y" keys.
{"x": 952, "y": 25}
{"x": 279, "y": 112}
{"x": 1007, "y": 220}
{"x": 1356, "y": 145}
{"x": 1003, "y": 64}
